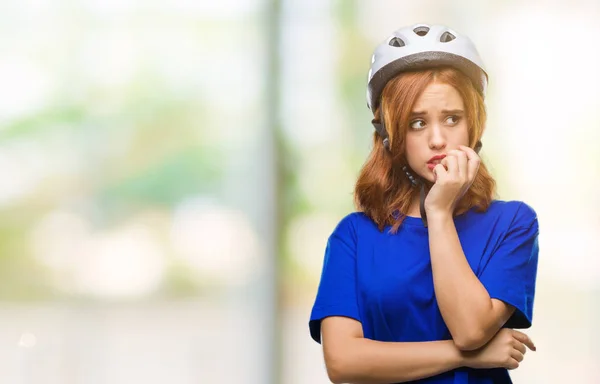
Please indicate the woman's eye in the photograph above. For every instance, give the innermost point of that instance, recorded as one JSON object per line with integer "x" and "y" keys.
{"x": 417, "y": 124}
{"x": 452, "y": 120}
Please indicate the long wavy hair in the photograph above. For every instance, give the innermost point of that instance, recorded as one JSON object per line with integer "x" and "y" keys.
{"x": 382, "y": 190}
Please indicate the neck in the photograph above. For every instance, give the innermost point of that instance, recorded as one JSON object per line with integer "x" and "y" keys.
{"x": 415, "y": 206}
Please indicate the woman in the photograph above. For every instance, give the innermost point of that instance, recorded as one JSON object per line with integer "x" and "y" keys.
{"x": 429, "y": 279}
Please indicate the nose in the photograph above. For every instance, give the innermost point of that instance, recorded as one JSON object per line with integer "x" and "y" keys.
{"x": 437, "y": 138}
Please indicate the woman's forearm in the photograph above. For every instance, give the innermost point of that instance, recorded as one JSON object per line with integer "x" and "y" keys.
{"x": 365, "y": 361}
{"x": 464, "y": 302}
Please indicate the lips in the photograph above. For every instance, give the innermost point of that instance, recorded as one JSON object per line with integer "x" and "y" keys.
{"x": 436, "y": 159}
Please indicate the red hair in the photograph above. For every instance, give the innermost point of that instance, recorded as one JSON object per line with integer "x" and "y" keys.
{"x": 382, "y": 189}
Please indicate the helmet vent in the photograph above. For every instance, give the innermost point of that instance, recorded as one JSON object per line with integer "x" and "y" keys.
{"x": 446, "y": 37}
{"x": 397, "y": 42}
{"x": 421, "y": 31}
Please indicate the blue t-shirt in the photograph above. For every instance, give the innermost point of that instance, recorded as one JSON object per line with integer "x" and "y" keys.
{"x": 385, "y": 280}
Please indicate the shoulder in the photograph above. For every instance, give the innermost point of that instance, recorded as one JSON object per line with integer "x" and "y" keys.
{"x": 514, "y": 213}
{"x": 352, "y": 224}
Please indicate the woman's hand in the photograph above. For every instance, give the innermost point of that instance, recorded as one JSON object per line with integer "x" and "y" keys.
{"x": 505, "y": 350}
{"x": 453, "y": 177}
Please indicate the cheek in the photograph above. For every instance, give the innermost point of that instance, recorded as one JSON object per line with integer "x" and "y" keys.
{"x": 460, "y": 135}
{"x": 413, "y": 146}
{"x": 465, "y": 129}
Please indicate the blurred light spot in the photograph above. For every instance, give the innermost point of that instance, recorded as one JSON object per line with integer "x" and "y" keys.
{"x": 215, "y": 241}
{"x": 127, "y": 262}
{"x": 27, "y": 340}
{"x": 25, "y": 87}
{"x": 123, "y": 52}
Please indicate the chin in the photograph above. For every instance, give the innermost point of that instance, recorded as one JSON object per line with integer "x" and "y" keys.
{"x": 427, "y": 175}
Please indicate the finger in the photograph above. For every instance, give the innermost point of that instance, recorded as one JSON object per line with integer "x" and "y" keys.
{"x": 519, "y": 346}
{"x": 440, "y": 172}
{"x": 444, "y": 162}
{"x": 523, "y": 338}
{"x": 512, "y": 364}
{"x": 473, "y": 160}
{"x": 462, "y": 160}
{"x": 517, "y": 355}
{"x": 470, "y": 152}
{"x": 452, "y": 163}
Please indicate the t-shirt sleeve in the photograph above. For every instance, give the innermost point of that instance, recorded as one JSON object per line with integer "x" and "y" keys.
{"x": 336, "y": 295}
{"x": 511, "y": 271}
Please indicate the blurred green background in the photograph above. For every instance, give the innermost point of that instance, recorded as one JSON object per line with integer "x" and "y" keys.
{"x": 172, "y": 170}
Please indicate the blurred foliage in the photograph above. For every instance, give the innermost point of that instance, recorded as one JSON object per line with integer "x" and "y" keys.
{"x": 21, "y": 277}
{"x": 143, "y": 153}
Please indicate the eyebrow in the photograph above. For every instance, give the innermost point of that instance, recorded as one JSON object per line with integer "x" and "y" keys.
{"x": 444, "y": 112}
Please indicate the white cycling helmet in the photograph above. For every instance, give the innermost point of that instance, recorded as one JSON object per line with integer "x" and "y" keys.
{"x": 423, "y": 46}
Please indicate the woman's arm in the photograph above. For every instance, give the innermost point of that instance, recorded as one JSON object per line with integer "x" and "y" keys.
{"x": 472, "y": 317}
{"x": 350, "y": 358}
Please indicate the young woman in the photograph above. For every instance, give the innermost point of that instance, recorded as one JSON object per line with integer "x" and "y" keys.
{"x": 428, "y": 280}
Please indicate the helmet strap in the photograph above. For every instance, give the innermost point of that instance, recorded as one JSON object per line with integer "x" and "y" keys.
{"x": 417, "y": 182}
{"x": 381, "y": 131}
{"x": 379, "y": 125}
